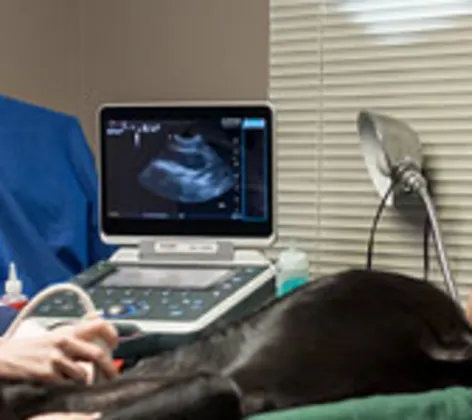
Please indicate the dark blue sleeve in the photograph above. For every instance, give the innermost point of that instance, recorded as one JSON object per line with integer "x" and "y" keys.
{"x": 82, "y": 162}
{"x": 7, "y": 315}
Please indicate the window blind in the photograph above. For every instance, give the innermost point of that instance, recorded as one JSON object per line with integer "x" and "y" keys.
{"x": 408, "y": 59}
{"x": 295, "y": 91}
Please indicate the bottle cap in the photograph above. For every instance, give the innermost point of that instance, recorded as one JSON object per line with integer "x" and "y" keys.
{"x": 292, "y": 256}
{"x": 13, "y": 285}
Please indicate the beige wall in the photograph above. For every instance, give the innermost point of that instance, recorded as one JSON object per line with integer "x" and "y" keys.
{"x": 171, "y": 49}
{"x": 71, "y": 55}
{"x": 38, "y": 52}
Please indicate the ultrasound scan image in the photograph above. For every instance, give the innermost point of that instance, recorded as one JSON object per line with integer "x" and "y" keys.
{"x": 188, "y": 170}
{"x": 185, "y": 169}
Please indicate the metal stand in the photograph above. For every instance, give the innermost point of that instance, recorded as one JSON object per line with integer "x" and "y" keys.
{"x": 413, "y": 180}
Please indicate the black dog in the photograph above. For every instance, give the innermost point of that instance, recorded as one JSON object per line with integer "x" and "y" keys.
{"x": 354, "y": 334}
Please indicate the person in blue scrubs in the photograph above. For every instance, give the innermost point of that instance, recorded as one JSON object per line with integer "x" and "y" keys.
{"x": 48, "y": 224}
{"x": 49, "y": 217}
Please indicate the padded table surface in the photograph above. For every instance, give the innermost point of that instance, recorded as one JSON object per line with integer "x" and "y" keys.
{"x": 448, "y": 404}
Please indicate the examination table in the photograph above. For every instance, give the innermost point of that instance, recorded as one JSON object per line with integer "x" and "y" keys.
{"x": 448, "y": 404}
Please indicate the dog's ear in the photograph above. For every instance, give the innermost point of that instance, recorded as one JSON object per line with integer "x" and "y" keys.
{"x": 453, "y": 347}
{"x": 451, "y": 353}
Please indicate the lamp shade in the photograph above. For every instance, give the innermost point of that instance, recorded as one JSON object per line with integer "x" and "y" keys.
{"x": 387, "y": 143}
{"x": 392, "y": 152}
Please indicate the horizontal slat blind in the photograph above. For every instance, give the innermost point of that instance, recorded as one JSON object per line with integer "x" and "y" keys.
{"x": 409, "y": 59}
{"x": 295, "y": 91}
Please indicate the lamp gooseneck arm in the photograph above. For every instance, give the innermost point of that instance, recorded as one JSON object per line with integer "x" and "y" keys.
{"x": 413, "y": 180}
{"x": 439, "y": 242}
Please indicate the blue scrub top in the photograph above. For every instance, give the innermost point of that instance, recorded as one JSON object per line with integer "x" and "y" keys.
{"x": 48, "y": 197}
{"x": 7, "y": 315}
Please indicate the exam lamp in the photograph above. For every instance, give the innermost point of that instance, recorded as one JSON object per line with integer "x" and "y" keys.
{"x": 392, "y": 153}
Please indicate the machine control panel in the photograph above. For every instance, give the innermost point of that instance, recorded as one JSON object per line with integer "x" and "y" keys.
{"x": 149, "y": 303}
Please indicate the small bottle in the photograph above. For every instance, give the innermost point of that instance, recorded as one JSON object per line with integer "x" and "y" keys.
{"x": 292, "y": 270}
{"x": 14, "y": 297}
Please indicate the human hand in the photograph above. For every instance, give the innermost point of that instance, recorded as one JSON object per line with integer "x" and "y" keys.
{"x": 66, "y": 416}
{"x": 110, "y": 341}
{"x": 57, "y": 354}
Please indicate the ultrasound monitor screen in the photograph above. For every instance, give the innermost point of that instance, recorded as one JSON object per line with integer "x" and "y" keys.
{"x": 188, "y": 173}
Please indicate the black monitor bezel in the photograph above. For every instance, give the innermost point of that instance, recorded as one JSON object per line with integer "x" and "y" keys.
{"x": 229, "y": 229}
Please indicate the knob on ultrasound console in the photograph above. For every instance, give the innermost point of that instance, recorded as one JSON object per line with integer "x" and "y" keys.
{"x": 115, "y": 310}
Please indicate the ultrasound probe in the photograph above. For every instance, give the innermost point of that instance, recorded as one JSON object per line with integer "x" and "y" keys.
{"x": 84, "y": 300}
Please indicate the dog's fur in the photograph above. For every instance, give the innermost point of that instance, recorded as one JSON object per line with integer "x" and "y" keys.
{"x": 357, "y": 333}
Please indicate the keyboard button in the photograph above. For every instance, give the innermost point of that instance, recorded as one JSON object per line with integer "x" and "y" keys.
{"x": 66, "y": 308}
{"x": 127, "y": 301}
{"x": 44, "y": 309}
{"x": 197, "y": 305}
{"x": 142, "y": 307}
{"x": 117, "y": 310}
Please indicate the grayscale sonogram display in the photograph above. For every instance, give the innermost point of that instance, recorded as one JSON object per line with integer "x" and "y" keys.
{"x": 206, "y": 169}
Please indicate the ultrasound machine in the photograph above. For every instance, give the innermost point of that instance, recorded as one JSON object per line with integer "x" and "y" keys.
{"x": 186, "y": 191}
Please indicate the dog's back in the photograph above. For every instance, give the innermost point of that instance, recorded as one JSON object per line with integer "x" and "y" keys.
{"x": 354, "y": 334}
